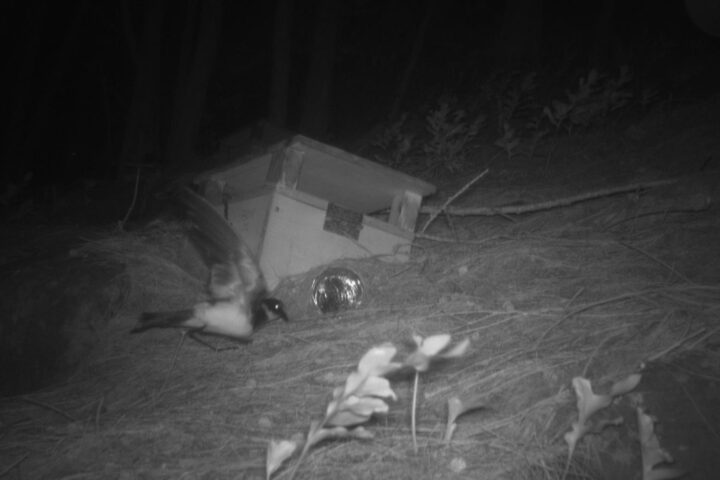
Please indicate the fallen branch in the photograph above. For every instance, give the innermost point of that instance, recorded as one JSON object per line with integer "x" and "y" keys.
{"x": 436, "y": 212}
{"x": 14, "y": 464}
{"x": 537, "y": 207}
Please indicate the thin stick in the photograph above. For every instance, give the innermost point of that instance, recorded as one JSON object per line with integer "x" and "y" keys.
{"x": 14, "y": 464}
{"x": 595, "y": 352}
{"x": 434, "y": 238}
{"x": 703, "y": 338}
{"x": 97, "y": 413}
{"x": 657, "y": 260}
{"x": 412, "y": 411}
{"x": 435, "y": 213}
{"x": 49, "y": 407}
{"x": 574, "y": 297}
{"x": 699, "y": 412}
{"x": 134, "y": 200}
{"x": 618, "y": 298}
{"x": 677, "y": 344}
{"x": 172, "y": 366}
{"x": 536, "y": 207}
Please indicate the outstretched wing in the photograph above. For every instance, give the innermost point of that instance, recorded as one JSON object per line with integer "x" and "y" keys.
{"x": 234, "y": 272}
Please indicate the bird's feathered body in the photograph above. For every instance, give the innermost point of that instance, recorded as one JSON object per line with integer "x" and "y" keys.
{"x": 238, "y": 298}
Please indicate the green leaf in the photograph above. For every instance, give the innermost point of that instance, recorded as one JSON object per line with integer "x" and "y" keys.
{"x": 652, "y": 453}
{"x": 376, "y": 387}
{"x": 355, "y": 410}
{"x": 626, "y": 385}
{"x": 587, "y": 402}
{"x": 342, "y": 432}
{"x": 377, "y": 361}
{"x": 431, "y": 346}
{"x": 277, "y": 453}
{"x": 347, "y": 418}
{"x": 458, "y": 350}
{"x": 354, "y": 381}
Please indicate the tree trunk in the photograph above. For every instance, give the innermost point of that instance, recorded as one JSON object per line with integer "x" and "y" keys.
{"x": 413, "y": 60}
{"x": 198, "y": 60}
{"x": 141, "y": 135}
{"x": 279, "y": 94}
{"x": 17, "y": 135}
{"x": 50, "y": 162}
{"x": 316, "y": 106}
{"x": 602, "y": 47}
{"x": 520, "y": 34}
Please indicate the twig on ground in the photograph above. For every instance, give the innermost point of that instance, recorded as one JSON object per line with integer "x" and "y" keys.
{"x": 537, "y": 207}
{"x": 435, "y": 238}
{"x": 14, "y": 464}
{"x": 657, "y": 260}
{"x": 677, "y": 344}
{"x": 49, "y": 407}
{"x": 435, "y": 213}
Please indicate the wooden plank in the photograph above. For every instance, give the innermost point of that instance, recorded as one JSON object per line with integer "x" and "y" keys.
{"x": 275, "y": 170}
{"x": 367, "y": 168}
{"x": 295, "y": 241}
{"x": 249, "y": 219}
{"x": 322, "y": 205}
{"x": 344, "y": 222}
{"x": 241, "y": 179}
{"x": 352, "y": 181}
{"x": 405, "y": 210}
{"x": 292, "y": 167}
{"x": 322, "y": 171}
{"x": 212, "y": 190}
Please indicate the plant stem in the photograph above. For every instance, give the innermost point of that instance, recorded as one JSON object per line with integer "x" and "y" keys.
{"x": 313, "y": 428}
{"x": 412, "y": 411}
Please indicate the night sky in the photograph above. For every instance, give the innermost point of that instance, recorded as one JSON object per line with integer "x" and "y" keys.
{"x": 70, "y": 67}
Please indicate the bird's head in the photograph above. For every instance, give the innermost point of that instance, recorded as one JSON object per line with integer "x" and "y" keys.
{"x": 274, "y": 308}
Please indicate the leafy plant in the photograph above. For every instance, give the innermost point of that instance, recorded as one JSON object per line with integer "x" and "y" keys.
{"x": 429, "y": 349}
{"x": 596, "y": 96}
{"x": 395, "y": 141}
{"x": 653, "y": 455}
{"x": 451, "y": 134}
{"x": 365, "y": 393}
{"x": 516, "y": 101}
{"x": 589, "y": 403}
{"x": 456, "y": 408}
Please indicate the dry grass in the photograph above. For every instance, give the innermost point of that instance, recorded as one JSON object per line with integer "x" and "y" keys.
{"x": 539, "y": 308}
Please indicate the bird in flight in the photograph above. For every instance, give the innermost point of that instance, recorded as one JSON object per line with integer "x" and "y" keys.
{"x": 238, "y": 299}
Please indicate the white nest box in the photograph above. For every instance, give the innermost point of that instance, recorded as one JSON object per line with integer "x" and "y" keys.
{"x": 304, "y": 204}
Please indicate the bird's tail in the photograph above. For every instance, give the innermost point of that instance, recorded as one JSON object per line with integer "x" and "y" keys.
{"x": 174, "y": 319}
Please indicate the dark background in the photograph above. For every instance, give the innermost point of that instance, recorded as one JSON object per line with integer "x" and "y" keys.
{"x": 94, "y": 89}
